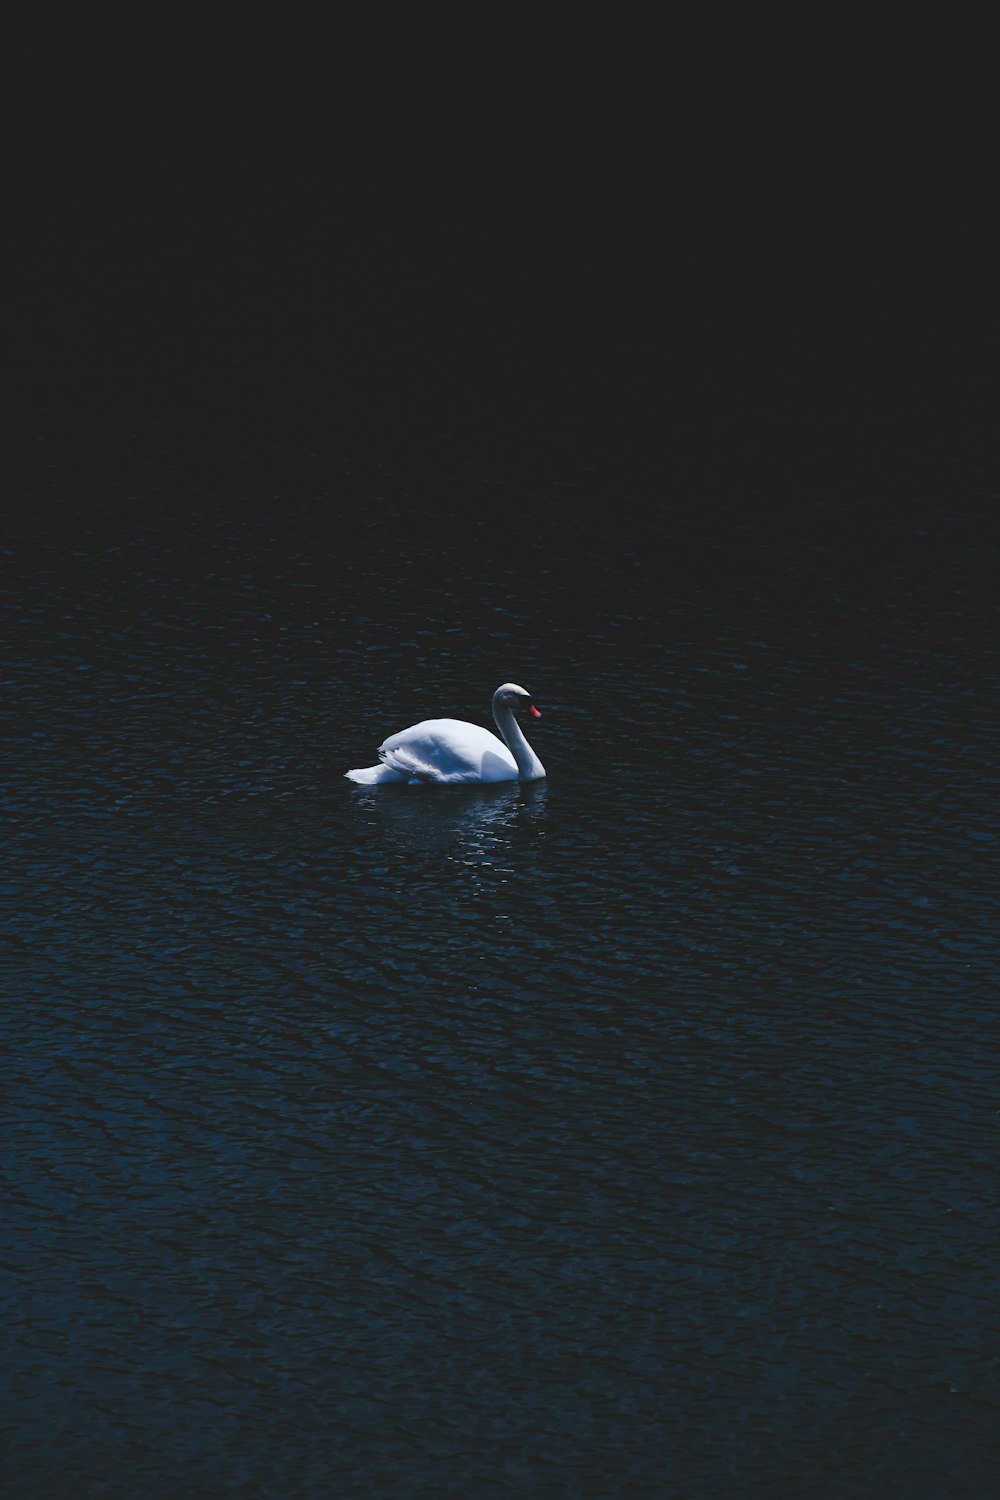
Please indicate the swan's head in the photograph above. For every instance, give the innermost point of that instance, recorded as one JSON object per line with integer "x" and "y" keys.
{"x": 518, "y": 699}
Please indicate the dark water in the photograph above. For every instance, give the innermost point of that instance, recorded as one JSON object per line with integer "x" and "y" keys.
{"x": 634, "y": 1133}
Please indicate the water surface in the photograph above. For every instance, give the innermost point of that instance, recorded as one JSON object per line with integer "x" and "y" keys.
{"x": 632, "y": 1133}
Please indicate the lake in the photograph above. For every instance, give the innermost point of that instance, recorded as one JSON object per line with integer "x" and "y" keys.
{"x": 629, "y": 1133}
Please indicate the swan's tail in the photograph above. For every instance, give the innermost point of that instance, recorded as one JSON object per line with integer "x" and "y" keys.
{"x": 371, "y": 775}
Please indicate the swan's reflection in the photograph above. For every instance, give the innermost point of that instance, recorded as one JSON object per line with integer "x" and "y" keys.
{"x": 477, "y": 825}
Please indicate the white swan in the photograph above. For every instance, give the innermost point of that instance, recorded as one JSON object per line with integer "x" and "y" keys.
{"x": 451, "y": 751}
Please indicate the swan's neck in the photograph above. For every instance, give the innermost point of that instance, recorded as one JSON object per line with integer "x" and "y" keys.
{"x": 529, "y": 767}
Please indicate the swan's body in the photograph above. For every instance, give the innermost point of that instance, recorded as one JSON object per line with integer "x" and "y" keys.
{"x": 452, "y": 752}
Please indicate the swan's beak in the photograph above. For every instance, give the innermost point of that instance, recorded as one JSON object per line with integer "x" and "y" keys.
{"x": 533, "y": 711}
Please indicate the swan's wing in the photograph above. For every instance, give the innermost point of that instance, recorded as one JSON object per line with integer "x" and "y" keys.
{"x": 406, "y": 763}
{"x": 448, "y": 750}
{"x": 373, "y": 775}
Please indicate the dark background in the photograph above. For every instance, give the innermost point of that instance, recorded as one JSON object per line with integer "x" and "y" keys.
{"x": 673, "y": 256}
